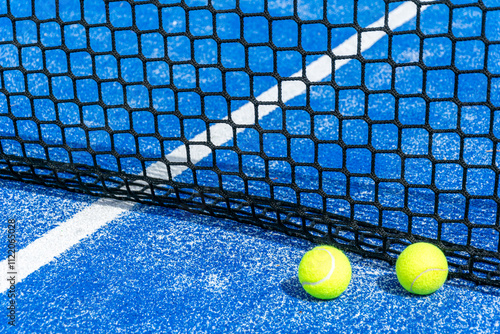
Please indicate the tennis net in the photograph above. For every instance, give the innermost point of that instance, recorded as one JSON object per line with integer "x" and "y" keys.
{"x": 365, "y": 124}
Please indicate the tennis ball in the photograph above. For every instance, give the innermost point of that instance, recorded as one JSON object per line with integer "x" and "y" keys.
{"x": 324, "y": 272}
{"x": 422, "y": 268}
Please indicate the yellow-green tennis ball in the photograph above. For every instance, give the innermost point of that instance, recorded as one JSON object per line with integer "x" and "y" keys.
{"x": 324, "y": 272}
{"x": 422, "y": 268}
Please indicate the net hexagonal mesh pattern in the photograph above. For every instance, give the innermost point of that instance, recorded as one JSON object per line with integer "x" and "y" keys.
{"x": 365, "y": 124}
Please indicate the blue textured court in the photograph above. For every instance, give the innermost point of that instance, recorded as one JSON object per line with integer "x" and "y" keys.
{"x": 167, "y": 271}
{"x": 157, "y": 270}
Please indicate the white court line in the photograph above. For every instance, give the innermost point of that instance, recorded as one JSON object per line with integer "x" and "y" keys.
{"x": 84, "y": 223}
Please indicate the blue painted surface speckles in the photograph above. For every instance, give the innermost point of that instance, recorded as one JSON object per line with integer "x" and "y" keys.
{"x": 36, "y": 210}
{"x": 161, "y": 270}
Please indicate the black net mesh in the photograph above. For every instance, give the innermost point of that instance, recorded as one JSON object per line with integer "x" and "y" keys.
{"x": 365, "y": 124}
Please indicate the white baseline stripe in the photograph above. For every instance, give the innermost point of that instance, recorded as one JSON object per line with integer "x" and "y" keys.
{"x": 318, "y": 70}
{"x": 83, "y": 224}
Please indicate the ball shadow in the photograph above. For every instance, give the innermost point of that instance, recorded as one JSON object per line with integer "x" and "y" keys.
{"x": 390, "y": 284}
{"x": 292, "y": 287}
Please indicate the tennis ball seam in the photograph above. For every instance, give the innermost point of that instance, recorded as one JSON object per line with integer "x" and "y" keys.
{"x": 330, "y": 273}
{"x": 423, "y": 272}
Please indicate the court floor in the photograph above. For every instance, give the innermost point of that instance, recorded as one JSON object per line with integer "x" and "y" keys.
{"x": 104, "y": 266}
{"x": 158, "y": 270}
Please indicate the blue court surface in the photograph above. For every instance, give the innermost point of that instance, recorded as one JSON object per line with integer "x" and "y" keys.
{"x": 90, "y": 265}
{"x": 157, "y": 270}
